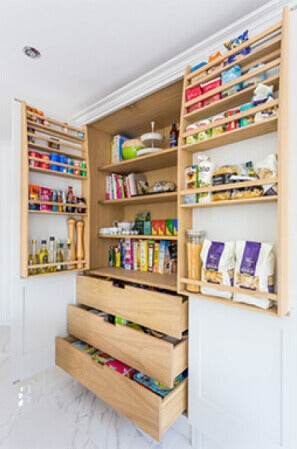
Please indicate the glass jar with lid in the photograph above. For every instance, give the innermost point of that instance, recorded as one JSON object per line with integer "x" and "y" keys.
{"x": 195, "y": 239}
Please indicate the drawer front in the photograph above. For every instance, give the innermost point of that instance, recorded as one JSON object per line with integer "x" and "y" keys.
{"x": 157, "y": 358}
{"x": 146, "y": 409}
{"x": 158, "y": 311}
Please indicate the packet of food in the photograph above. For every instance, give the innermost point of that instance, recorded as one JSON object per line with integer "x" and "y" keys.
{"x": 235, "y": 42}
{"x": 265, "y": 169}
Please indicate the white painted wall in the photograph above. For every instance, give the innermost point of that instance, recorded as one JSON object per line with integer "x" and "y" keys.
{"x": 243, "y": 366}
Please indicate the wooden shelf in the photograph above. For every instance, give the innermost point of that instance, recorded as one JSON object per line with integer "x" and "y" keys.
{"x": 54, "y": 132}
{"x": 140, "y": 237}
{"x": 58, "y": 164}
{"x": 259, "y": 199}
{"x": 246, "y": 132}
{"x": 48, "y": 139}
{"x": 55, "y": 122}
{"x": 43, "y": 148}
{"x": 149, "y": 162}
{"x": 140, "y": 199}
{"x": 50, "y": 212}
{"x": 272, "y": 311}
{"x": 76, "y": 270}
{"x": 55, "y": 264}
{"x": 234, "y": 185}
{"x": 57, "y": 173}
{"x": 231, "y": 101}
{"x": 55, "y": 203}
{"x": 164, "y": 281}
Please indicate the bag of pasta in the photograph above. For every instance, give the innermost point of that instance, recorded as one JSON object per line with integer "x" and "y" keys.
{"x": 254, "y": 271}
{"x": 218, "y": 262}
{"x": 266, "y": 169}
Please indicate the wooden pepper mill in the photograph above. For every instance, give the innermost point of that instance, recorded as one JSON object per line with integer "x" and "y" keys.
{"x": 79, "y": 243}
{"x": 71, "y": 228}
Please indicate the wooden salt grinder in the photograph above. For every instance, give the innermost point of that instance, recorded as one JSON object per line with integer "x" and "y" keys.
{"x": 79, "y": 243}
{"x": 71, "y": 227}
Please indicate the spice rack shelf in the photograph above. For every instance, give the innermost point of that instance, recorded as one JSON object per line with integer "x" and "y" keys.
{"x": 55, "y": 136}
{"x": 271, "y": 49}
{"x": 140, "y": 237}
{"x": 155, "y": 161}
{"x": 166, "y": 281}
{"x": 140, "y": 199}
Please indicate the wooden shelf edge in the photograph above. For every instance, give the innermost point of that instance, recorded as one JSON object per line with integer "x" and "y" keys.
{"x": 154, "y": 198}
{"x": 260, "y": 199}
{"x": 140, "y": 237}
{"x": 54, "y": 132}
{"x": 228, "y": 302}
{"x": 57, "y": 173}
{"x": 76, "y": 270}
{"x": 51, "y": 212}
{"x": 234, "y": 185}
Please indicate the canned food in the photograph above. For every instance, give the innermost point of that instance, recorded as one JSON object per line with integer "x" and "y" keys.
{"x": 234, "y": 124}
{"x": 69, "y": 162}
{"x": 33, "y": 163}
{"x": 44, "y": 164}
{"x": 77, "y": 168}
{"x": 63, "y": 160}
{"x": 83, "y": 165}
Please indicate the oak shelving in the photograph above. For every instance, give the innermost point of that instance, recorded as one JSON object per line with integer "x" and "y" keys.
{"x": 140, "y": 199}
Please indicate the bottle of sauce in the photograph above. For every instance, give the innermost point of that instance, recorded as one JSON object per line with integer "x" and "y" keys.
{"x": 174, "y": 136}
{"x": 33, "y": 257}
{"x": 43, "y": 256}
{"x": 70, "y": 198}
{"x": 111, "y": 257}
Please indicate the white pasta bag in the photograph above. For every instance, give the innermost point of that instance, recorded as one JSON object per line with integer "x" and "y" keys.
{"x": 254, "y": 270}
{"x": 218, "y": 262}
{"x": 266, "y": 169}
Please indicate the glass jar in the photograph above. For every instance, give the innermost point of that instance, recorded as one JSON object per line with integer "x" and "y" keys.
{"x": 194, "y": 245}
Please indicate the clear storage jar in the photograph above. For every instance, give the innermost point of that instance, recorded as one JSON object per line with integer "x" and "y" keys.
{"x": 194, "y": 245}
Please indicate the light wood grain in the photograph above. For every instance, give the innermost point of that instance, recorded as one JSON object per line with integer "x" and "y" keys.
{"x": 55, "y": 122}
{"x": 57, "y": 173}
{"x": 159, "y": 311}
{"x": 50, "y": 212}
{"x": 48, "y": 130}
{"x": 59, "y": 164}
{"x": 234, "y": 185}
{"x": 43, "y": 148}
{"x": 153, "y": 356}
{"x": 62, "y": 143}
{"x": 146, "y": 409}
{"x": 141, "y": 237}
{"x": 141, "y": 199}
{"x": 259, "y": 199}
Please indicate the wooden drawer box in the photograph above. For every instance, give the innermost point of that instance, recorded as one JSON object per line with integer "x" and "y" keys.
{"x": 146, "y": 409}
{"x": 159, "y": 311}
{"x": 155, "y": 357}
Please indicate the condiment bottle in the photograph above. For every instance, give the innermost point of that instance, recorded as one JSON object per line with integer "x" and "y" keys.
{"x": 52, "y": 253}
{"x": 33, "y": 257}
{"x": 43, "y": 256}
{"x": 59, "y": 256}
{"x": 111, "y": 258}
{"x": 194, "y": 246}
{"x": 174, "y": 136}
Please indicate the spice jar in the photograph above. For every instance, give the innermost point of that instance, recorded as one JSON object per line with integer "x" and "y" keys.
{"x": 194, "y": 246}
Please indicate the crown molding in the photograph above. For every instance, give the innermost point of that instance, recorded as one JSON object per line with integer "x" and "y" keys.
{"x": 173, "y": 69}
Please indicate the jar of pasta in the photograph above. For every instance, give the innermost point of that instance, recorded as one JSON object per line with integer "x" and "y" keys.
{"x": 194, "y": 245}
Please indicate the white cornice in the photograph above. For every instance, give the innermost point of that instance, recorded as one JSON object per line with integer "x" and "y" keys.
{"x": 173, "y": 69}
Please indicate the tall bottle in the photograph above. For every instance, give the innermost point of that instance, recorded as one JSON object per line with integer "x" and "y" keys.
{"x": 33, "y": 260}
{"x": 70, "y": 199}
{"x": 174, "y": 136}
{"x": 59, "y": 256}
{"x": 66, "y": 253}
{"x": 52, "y": 252}
{"x": 43, "y": 256}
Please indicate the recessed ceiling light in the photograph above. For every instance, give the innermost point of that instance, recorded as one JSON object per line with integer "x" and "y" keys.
{"x": 31, "y": 52}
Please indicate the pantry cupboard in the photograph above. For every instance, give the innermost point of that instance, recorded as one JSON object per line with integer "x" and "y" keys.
{"x": 165, "y": 312}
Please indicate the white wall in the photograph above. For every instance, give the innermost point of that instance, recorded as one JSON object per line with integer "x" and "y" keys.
{"x": 243, "y": 365}
{"x": 6, "y": 172}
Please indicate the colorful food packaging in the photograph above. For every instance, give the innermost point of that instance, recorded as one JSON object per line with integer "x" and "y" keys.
{"x": 118, "y": 366}
{"x": 205, "y": 171}
{"x": 33, "y": 163}
{"x": 88, "y": 349}
{"x": 257, "y": 78}
{"x": 194, "y": 137}
{"x": 169, "y": 227}
{"x": 45, "y": 195}
{"x": 211, "y": 100}
{"x": 215, "y": 67}
{"x": 249, "y": 119}
{"x": 171, "y": 268}
{"x": 201, "y": 75}
{"x": 101, "y": 357}
{"x": 157, "y": 387}
{"x": 147, "y": 227}
{"x": 161, "y": 227}
{"x": 210, "y": 85}
{"x": 175, "y": 226}
{"x": 262, "y": 93}
{"x": 206, "y": 133}
{"x": 163, "y": 248}
{"x": 136, "y": 255}
{"x": 230, "y": 75}
{"x": 266, "y": 169}
{"x": 156, "y": 257}
{"x": 143, "y": 255}
{"x": 195, "y": 106}
{"x": 235, "y": 42}
{"x": 219, "y": 129}
{"x": 116, "y": 148}
{"x": 218, "y": 263}
{"x": 191, "y": 182}
{"x": 34, "y": 195}
{"x": 155, "y": 227}
{"x": 191, "y": 93}
{"x": 128, "y": 263}
{"x": 234, "y": 124}
{"x": 151, "y": 256}
{"x": 254, "y": 271}
{"x": 220, "y": 177}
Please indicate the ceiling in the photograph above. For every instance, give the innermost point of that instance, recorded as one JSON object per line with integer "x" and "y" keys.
{"x": 92, "y": 47}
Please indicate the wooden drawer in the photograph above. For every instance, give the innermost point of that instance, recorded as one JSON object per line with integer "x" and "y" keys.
{"x": 155, "y": 357}
{"x": 159, "y": 311}
{"x": 146, "y": 409}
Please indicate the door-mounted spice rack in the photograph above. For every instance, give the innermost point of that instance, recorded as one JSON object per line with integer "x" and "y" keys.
{"x": 50, "y": 147}
{"x": 269, "y": 52}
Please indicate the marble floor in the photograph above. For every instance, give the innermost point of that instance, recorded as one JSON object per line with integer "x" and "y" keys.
{"x": 53, "y": 411}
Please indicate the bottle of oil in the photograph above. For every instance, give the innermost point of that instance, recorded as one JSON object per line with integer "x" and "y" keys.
{"x": 43, "y": 256}
{"x": 59, "y": 255}
{"x": 52, "y": 253}
{"x": 33, "y": 258}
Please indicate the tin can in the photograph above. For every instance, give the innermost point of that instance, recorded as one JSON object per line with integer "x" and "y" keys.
{"x": 31, "y": 162}
{"x": 55, "y": 198}
{"x": 63, "y": 160}
{"x": 70, "y": 162}
{"x": 44, "y": 164}
{"x": 83, "y": 165}
{"x": 55, "y": 158}
{"x": 77, "y": 168}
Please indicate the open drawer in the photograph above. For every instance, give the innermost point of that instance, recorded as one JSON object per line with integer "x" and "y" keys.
{"x": 155, "y": 357}
{"x": 159, "y": 311}
{"x": 146, "y": 409}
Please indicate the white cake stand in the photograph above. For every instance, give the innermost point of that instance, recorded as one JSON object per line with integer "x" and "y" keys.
{"x": 151, "y": 140}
